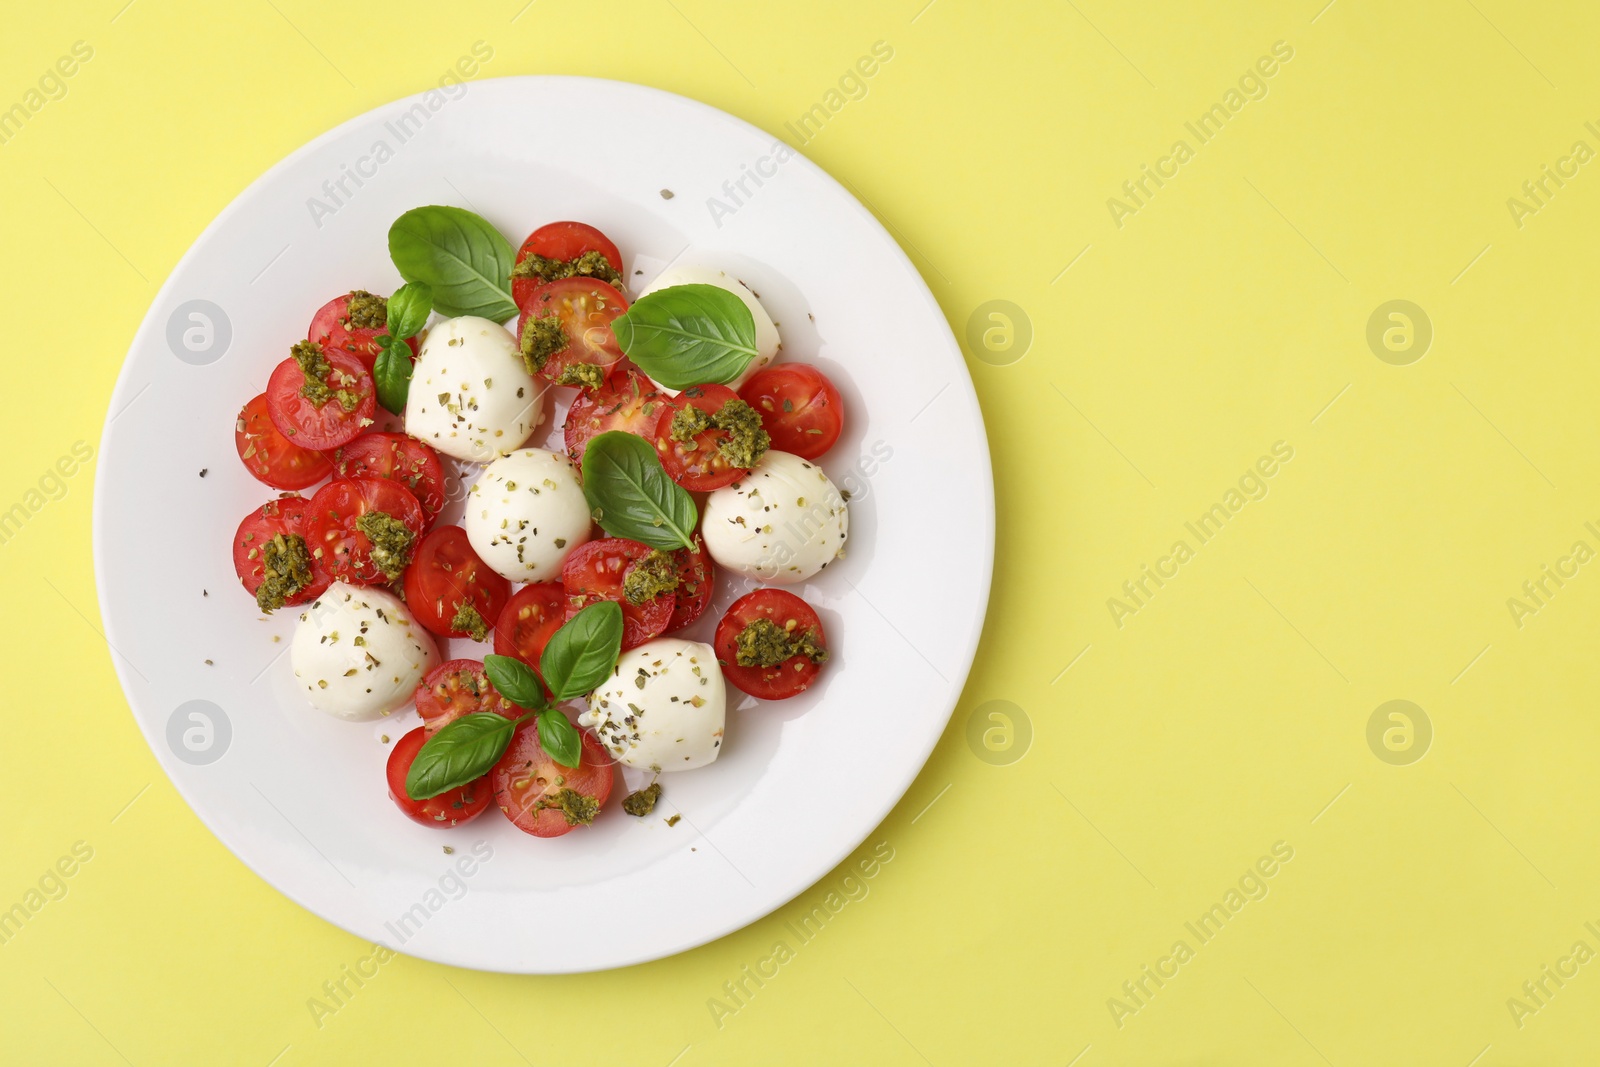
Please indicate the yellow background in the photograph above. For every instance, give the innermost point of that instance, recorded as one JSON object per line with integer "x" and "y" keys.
{"x": 1228, "y": 714}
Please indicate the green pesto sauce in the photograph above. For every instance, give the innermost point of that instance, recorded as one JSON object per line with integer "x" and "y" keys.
{"x": 586, "y": 375}
{"x": 541, "y": 339}
{"x": 366, "y": 311}
{"x": 763, "y": 643}
{"x": 285, "y": 570}
{"x": 643, "y": 802}
{"x": 467, "y": 620}
{"x": 689, "y": 422}
{"x": 574, "y": 805}
{"x": 746, "y": 442}
{"x": 650, "y": 577}
{"x": 391, "y": 540}
{"x": 588, "y": 265}
{"x": 316, "y": 370}
{"x": 743, "y": 441}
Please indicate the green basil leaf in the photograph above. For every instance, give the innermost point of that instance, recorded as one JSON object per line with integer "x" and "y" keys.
{"x": 515, "y": 681}
{"x": 392, "y": 374}
{"x": 632, "y": 496}
{"x": 559, "y": 738}
{"x": 460, "y": 256}
{"x": 582, "y": 654}
{"x": 462, "y": 752}
{"x": 408, "y": 309}
{"x": 687, "y": 335}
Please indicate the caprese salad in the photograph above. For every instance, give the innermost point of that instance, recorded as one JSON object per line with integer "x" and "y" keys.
{"x": 689, "y": 448}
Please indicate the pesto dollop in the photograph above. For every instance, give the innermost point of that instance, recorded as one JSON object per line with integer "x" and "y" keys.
{"x": 317, "y": 371}
{"x": 743, "y": 440}
{"x": 642, "y": 802}
{"x": 588, "y": 265}
{"x": 541, "y": 339}
{"x": 585, "y": 375}
{"x": 467, "y": 620}
{"x": 285, "y": 570}
{"x": 366, "y": 311}
{"x": 746, "y": 442}
{"x": 689, "y": 422}
{"x": 763, "y": 643}
{"x": 391, "y": 540}
{"x": 574, "y": 805}
{"x": 650, "y": 577}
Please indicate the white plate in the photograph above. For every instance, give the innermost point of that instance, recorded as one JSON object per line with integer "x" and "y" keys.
{"x": 299, "y": 797}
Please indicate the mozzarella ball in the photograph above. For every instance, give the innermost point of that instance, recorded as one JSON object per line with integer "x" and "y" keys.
{"x": 525, "y": 513}
{"x": 767, "y": 343}
{"x": 471, "y": 395}
{"x": 663, "y": 708}
{"x": 358, "y": 652}
{"x": 783, "y": 522}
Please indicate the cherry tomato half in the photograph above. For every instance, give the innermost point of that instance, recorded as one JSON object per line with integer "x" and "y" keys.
{"x": 271, "y": 457}
{"x": 529, "y": 620}
{"x": 456, "y": 688}
{"x": 332, "y": 329}
{"x": 799, "y": 407}
{"x": 697, "y": 464}
{"x": 585, "y": 308}
{"x": 528, "y": 782}
{"x": 444, "y": 574}
{"x": 695, "y": 579}
{"x": 564, "y": 241}
{"x": 401, "y": 459}
{"x": 286, "y": 515}
{"x": 335, "y": 523}
{"x": 596, "y": 571}
{"x": 790, "y": 614}
{"x": 450, "y": 808}
{"x": 329, "y": 424}
{"x": 630, "y": 403}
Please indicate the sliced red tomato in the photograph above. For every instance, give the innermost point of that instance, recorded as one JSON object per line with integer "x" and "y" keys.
{"x": 629, "y": 403}
{"x": 456, "y": 688}
{"x": 333, "y": 328}
{"x": 596, "y": 571}
{"x": 584, "y": 308}
{"x": 450, "y": 808}
{"x": 562, "y": 241}
{"x": 401, "y": 459}
{"x": 287, "y": 515}
{"x": 695, "y": 575}
{"x": 529, "y": 784}
{"x": 697, "y": 464}
{"x": 529, "y": 620}
{"x": 799, "y": 407}
{"x": 271, "y": 457}
{"x": 344, "y": 547}
{"x": 445, "y": 574}
{"x": 329, "y": 424}
{"x": 792, "y": 616}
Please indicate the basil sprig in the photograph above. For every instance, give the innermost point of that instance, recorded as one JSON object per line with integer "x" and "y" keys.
{"x": 578, "y": 657}
{"x": 687, "y": 335}
{"x": 631, "y": 494}
{"x": 408, "y": 311}
{"x": 518, "y": 684}
{"x": 464, "y": 259}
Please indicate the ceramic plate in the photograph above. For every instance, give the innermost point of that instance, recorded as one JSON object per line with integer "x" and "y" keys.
{"x": 300, "y": 797}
